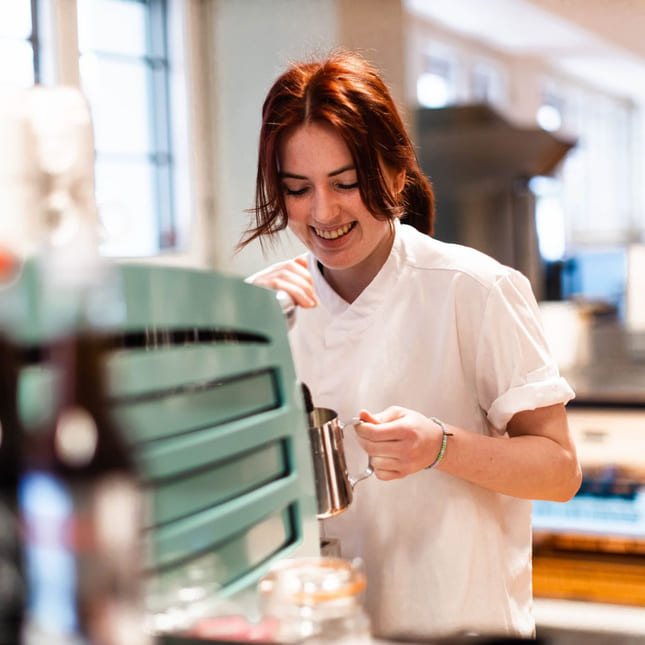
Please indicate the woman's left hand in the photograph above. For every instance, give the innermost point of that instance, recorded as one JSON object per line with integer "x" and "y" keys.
{"x": 399, "y": 441}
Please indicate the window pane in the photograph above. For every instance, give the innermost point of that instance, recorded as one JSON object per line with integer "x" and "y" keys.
{"x": 112, "y": 26}
{"x": 16, "y": 63}
{"x": 125, "y": 83}
{"x": 15, "y": 18}
{"x": 124, "y": 193}
{"x": 118, "y": 94}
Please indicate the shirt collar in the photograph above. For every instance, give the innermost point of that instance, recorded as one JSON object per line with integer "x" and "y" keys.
{"x": 375, "y": 292}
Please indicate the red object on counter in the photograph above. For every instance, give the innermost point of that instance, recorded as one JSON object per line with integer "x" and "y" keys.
{"x": 8, "y": 264}
{"x": 235, "y": 628}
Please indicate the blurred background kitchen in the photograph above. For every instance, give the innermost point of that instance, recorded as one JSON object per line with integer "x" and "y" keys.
{"x": 176, "y": 87}
{"x": 529, "y": 117}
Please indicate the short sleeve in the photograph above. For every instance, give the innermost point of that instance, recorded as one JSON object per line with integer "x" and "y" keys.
{"x": 515, "y": 369}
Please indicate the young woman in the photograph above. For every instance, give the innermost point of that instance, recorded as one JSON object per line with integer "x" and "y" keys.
{"x": 437, "y": 346}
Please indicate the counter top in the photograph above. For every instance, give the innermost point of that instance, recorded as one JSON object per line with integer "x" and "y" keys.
{"x": 609, "y": 384}
{"x": 559, "y": 622}
{"x": 599, "y": 618}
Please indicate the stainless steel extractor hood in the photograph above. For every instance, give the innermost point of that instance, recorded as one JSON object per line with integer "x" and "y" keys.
{"x": 479, "y": 163}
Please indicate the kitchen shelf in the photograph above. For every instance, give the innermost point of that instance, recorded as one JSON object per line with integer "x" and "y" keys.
{"x": 617, "y": 578}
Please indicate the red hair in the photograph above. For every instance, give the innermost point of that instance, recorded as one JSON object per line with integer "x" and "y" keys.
{"x": 346, "y": 92}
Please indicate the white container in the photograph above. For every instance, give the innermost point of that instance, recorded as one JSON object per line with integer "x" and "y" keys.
{"x": 317, "y": 600}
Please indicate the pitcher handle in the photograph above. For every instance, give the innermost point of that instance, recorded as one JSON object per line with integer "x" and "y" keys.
{"x": 369, "y": 470}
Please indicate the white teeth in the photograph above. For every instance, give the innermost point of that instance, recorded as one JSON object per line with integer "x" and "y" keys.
{"x": 332, "y": 235}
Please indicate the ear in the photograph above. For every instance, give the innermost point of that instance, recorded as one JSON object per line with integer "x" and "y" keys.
{"x": 395, "y": 178}
{"x": 398, "y": 183}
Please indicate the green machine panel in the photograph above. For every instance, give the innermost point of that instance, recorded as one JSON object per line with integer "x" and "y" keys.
{"x": 201, "y": 379}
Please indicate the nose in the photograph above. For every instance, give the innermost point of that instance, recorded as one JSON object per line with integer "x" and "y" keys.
{"x": 324, "y": 206}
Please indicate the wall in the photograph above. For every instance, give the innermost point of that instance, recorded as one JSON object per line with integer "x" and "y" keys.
{"x": 238, "y": 48}
{"x": 250, "y": 43}
{"x": 523, "y": 89}
{"x": 235, "y": 50}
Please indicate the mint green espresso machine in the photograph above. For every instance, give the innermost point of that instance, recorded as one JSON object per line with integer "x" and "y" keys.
{"x": 202, "y": 382}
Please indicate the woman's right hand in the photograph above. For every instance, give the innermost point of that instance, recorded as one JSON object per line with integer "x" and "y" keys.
{"x": 292, "y": 277}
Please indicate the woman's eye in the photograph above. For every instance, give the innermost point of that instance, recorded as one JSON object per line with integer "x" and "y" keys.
{"x": 295, "y": 192}
{"x": 348, "y": 186}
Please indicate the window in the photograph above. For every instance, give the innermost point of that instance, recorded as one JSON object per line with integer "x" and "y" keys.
{"x": 597, "y": 176}
{"x": 123, "y": 69}
{"x": 549, "y": 113}
{"x": 449, "y": 76}
{"x": 549, "y": 217}
{"x": 594, "y": 187}
{"x": 18, "y": 43}
{"x": 436, "y": 85}
{"x": 488, "y": 83}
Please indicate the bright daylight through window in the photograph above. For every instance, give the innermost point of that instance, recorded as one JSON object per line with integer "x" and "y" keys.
{"x": 123, "y": 69}
{"x": 16, "y": 44}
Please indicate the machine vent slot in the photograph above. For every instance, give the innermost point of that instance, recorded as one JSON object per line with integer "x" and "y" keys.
{"x": 154, "y": 338}
{"x": 194, "y": 387}
{"x": 236, "y": 555}
{"x": 158, "y": 338}
{"x": 217, "y": 482}
{"x": 194, "y": 406}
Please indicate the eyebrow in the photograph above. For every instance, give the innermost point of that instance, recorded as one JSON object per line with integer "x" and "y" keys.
{"x": 340, "y": 171}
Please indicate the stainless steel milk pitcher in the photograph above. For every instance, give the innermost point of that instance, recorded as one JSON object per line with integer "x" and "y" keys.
{"x": 334, "y": 485}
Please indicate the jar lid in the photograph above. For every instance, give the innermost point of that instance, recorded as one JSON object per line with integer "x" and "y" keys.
{"x": 308, "y": 581}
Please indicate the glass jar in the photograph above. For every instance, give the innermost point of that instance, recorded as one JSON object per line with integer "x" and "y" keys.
{"x": 317, "y": 600}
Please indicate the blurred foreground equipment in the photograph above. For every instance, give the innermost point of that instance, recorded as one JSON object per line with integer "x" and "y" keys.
{"x": 198, "y": 379}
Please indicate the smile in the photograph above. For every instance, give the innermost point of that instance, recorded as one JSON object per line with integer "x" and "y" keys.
{"x": 336, "y": 233}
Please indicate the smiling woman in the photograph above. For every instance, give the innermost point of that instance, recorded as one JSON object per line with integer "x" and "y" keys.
{"x": 436, "y": 348}
{"x": 314, "y": 93}
{"x": 325, "y": 210}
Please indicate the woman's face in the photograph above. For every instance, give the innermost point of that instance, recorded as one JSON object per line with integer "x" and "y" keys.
{"x": 324, "y": 206}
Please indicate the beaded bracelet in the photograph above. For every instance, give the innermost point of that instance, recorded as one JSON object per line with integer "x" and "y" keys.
{"x": 444, "y": 442}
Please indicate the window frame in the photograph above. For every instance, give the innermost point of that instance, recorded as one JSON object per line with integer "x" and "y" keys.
{"x": 54, "y": 41}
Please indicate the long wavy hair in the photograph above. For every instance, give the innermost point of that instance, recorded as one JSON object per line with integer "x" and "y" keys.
{"x": 346, "y": 92}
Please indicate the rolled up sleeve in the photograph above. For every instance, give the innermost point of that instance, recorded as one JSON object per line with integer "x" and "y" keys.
{"x": 515, "y": 368}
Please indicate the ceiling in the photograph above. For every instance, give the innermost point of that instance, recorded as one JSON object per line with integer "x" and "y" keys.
{"x": 601, "y": 42}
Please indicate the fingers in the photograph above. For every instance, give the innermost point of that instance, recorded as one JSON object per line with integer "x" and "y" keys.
{"x": 388, "y": 475}
{"x": 387, "y": 457}
{"x": 392, "y": 413}
{"x": 292, "y": 277}
{"x": 366, "y": 417}
{"x": 398, "y": 441}
{"x": 302, "y": 261}
{"x": 384, "y": 426}
{"x": 387, "y": 468}
{"x": 302, "y": 293}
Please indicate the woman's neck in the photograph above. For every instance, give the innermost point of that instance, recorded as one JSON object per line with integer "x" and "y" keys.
{"x": 351, "y": 282}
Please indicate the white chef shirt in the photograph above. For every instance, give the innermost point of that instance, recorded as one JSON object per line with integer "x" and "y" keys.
{"x": 447, "y": 331}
